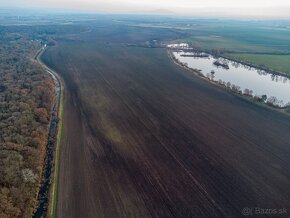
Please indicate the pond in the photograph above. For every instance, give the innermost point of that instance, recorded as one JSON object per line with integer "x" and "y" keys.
{"x": 248, "y": 80}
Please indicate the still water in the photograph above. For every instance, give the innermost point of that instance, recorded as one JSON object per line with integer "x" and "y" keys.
{"x": 245, "y": 77}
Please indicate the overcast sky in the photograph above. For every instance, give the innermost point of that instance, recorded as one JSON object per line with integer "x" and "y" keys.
{"x": 266, "y": 8}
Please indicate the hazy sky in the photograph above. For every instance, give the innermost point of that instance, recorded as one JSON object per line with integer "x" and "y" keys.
{"x": 265, "y": 8}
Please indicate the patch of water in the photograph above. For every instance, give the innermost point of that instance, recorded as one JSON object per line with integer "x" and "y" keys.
{"x": 247, "y": 79}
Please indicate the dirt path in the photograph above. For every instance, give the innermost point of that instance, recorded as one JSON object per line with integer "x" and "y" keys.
{"x": 50, "y": 186}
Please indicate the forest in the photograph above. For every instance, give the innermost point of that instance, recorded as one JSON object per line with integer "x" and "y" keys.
{"x": 26, "y": 97}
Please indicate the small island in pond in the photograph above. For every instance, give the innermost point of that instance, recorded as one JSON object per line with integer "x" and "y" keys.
{"x": 220, "y": 64}
{"x": 196, "y": 55}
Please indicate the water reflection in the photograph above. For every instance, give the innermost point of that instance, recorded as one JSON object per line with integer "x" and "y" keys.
{"x": 239, "y": 77}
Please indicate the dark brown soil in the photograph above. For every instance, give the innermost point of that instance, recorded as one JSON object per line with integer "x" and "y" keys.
{"x": 144, "y": 138}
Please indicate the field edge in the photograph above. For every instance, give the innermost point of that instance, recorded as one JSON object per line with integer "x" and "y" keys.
{"x": 52, "y": 207}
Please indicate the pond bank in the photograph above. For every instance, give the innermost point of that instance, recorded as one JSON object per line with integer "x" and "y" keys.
{"x": 251, "y": 98}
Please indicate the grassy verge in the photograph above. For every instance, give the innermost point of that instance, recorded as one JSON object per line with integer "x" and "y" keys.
{"x": 54, "y": 191}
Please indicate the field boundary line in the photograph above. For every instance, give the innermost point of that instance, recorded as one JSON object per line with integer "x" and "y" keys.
{"x": 52, "y": 206}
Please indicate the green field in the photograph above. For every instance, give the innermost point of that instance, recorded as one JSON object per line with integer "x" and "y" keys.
{"x": 275, "y": 62}
{"x": 259, "y": 43}
{"x": 236, "y": 36}
{"x": 210, "y": 42}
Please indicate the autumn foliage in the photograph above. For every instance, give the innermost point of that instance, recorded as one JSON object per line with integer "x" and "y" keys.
{"x": 26, "y": 96}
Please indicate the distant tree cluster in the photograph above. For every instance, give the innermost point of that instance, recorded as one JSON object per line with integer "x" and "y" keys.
{"x": 26, "y": 96}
